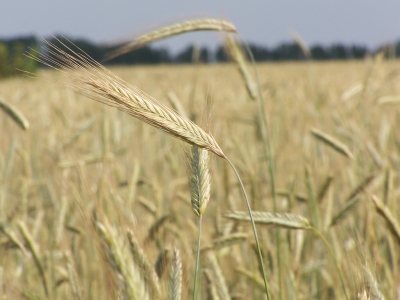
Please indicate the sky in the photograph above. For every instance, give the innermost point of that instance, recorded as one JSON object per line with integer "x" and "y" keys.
{"x": 269, "y": 22}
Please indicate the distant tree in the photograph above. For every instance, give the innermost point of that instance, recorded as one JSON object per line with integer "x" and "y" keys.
{"x": 144, "y": 55}
{"x": 260, "y": 53}
{"x": 357, "y": 52}
{"x": 397, "y": 47}
{"x": 18, "y": 57}
{"x": 4, "y": 61}
{"x": 287, "y": 51}
{"x": 338, "y": 51}
{"x": 191, "y": 54}
{"x": 319, "y": 53}
{"x": 220, "y": 54}
{"x": 12, "y": 58}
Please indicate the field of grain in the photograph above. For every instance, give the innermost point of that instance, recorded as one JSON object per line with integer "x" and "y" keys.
{"x": 87, "y": 185}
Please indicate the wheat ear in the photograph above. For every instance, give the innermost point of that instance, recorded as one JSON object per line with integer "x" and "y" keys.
{"x": 207, "y": 24}
{"x": 175, "y": 279}
{"x": 14, "y": 113}
{"x": 91, "y": 79}
{"x": 286, "y": 220}
{"x": 332, "y": 142}
{"x": 200, "y": 194}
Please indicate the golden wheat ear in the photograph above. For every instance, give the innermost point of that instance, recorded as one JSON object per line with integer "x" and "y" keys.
{"x": 87, "y": 77}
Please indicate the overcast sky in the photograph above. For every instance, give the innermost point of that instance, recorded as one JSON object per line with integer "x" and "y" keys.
{"x": 365, "y": 22}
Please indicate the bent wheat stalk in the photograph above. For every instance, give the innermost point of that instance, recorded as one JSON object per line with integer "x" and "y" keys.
{"x": 207, "y": 24}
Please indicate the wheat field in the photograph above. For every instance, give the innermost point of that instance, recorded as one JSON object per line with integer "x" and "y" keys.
{"x": 95, "y": 204}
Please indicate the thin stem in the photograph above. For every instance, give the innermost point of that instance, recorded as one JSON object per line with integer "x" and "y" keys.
{"x": 265, "y": 134}
{"x": 197, "y": 260}
{"x": 254, "y": 228}
{"x": 322, "y": 237}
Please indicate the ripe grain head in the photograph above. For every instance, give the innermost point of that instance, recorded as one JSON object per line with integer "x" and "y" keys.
{"x": 91, "y": 79}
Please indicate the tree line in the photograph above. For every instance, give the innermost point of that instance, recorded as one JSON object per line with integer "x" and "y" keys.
{"x": 12, "y": 58}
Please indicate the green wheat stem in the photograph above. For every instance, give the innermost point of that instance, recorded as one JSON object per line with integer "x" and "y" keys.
{"x": 267, "y": 147}
{"x": 254, "y": 228}
{"x": 322, "y": 237}
{"x": 196, "y": 270}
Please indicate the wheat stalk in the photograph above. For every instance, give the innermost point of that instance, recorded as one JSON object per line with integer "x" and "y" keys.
{"x": 35, "y": 253}
{"x": 207, "y": 24}
{"x": 300, "y": 42}
{"x": 91, "y": 79}
{"x": 235, "y": 53}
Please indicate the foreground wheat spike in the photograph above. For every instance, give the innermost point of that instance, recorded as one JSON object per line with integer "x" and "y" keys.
{"x": 200, "y": 194}
{"x": 91, "y": 79}
{"x": 175, "y": 279}
{"x": 207, "y": 24}
{"x": 199, "y": 180}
